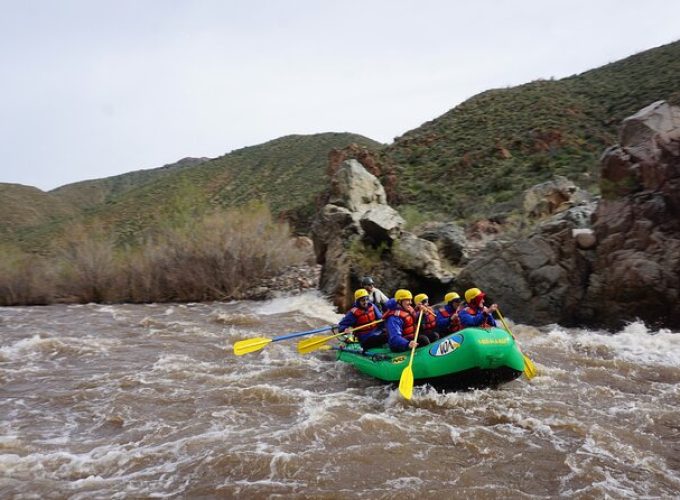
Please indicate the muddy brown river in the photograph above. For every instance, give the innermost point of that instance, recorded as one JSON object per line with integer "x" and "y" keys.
{"x": 148, "y": 401}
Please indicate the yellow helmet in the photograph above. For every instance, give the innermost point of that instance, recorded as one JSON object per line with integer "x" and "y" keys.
{"x": 402, "y": 294}
{"x": 451, "y": 296}
{"x": 361, "y": 292}
{"x": 472, "y": 293}
{"x": 420, "y": 297}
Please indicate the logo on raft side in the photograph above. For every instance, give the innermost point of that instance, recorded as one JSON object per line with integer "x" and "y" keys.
{"x": 447, "y": 345}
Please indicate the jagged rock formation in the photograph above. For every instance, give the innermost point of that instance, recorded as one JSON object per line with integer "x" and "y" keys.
{"x": 598, "y": 263}
{"x": 552, "y": 197}
{"x": 626, "y": 266}
{"x": 636, "y": 272}
{"x": 357, "y": 214}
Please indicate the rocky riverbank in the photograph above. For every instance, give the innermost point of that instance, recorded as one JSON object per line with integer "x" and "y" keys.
{"x": 589, "y": 262}
{"x": 294, "y": 280}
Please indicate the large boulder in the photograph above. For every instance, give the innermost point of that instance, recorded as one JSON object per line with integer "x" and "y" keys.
{"x": 358, "y": 233}
{"x": 353, "y": 188}
{"x": 553, "y": 196}
{"x": 607, "y": 263}
{"x": 541, "y": 278}
{"x": 419, "y": 257}
{"x": 637, "y": 270}
{"x": 381, "y": 223}
{"x": 449, "y": 238}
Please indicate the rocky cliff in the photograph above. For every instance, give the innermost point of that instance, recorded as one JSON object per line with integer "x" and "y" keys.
{"x": 586, "y": 262}
{"x": 621, "y": 264}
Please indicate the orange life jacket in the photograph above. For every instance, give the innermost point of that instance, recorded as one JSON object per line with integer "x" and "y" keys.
{"x": 364, "y": 317}
{"x": 454, "y": 324}
{"x": 408, "y": 330}
{"x": 429, "y": 321}
{"x": 474, "y": 312}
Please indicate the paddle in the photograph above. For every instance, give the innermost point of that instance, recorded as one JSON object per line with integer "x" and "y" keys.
{"x": 251, "y": 345}
{"x": 529, "y": 367}
{"x": 406, "y": 380}
{"x": 310, "y": 345}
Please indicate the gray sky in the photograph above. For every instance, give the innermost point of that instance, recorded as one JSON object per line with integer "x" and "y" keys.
{"x": 94, "y": 88}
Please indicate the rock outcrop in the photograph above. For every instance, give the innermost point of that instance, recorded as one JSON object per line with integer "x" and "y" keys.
{"x": 636, "y": 272}
{"x": 553, "y": 196}
{"x": 597, "y": 263}
{"x": 541, "y": 278}
{"x": 623, "y": 266}
{"x": 358, "y": 233}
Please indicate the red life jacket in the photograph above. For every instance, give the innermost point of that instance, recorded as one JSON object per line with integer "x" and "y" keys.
{"x": 408, "y": 330}
{"x": 454, "y": 324}
{"x": 429, "y": 321}
{"x": 364, "y": 317}
{"x": 473, "y": 312}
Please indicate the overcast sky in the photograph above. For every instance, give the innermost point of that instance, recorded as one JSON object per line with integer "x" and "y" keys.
{"x": 95, "y": 88}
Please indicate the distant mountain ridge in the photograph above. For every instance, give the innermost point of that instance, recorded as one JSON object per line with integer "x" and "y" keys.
{"x": 86, "y": 194}
{"x": 474, "y": 161}
{"x": 22, "y": 206}
{"x": 287, "y": 173}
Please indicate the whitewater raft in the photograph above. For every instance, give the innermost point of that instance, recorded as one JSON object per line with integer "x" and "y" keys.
{"x": 470, "y": 358}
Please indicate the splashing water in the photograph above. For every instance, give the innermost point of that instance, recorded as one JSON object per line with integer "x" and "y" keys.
{"x": 148, "y": 400}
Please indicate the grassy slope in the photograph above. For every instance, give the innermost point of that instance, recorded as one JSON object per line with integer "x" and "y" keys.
{"x": 288, "y": 173}
{"x": 486, "y": 151}
{"x": 28, "y": 206}
{"x": 87, "y": 194}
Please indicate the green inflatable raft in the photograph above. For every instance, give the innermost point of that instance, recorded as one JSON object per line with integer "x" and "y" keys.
{"x": 470, "y": 358}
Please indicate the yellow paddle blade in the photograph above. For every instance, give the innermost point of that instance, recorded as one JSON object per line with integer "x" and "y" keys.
{"x": 313, "y": 343}
{"x": 406, "y": 380}
{"x": 529, "y": 367}
{"x": 250, "y": 345}
{"x": 406, "y": 383}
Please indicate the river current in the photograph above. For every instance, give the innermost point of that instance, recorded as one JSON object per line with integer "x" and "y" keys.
{"x": 130, "y": 401}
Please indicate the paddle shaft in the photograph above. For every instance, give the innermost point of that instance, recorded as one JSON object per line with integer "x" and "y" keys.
{"x": 251, "y": 345}
{"x": 415, "y": 339}
{"x": 406, "y": 379}
{"x": 304, "y": 345}
{"x": 529, "y": 367}
{"x": 300, "y": 334}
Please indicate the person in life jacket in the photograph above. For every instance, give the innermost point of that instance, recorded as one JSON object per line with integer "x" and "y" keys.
{"x": 428, "y": 325}
{"x": 448, "y": 317}
{"x": 374, "y": 294}
{"x": 476, "y": 313}
{"x": 401, "y": 321}
{"x": 362, "y": 313}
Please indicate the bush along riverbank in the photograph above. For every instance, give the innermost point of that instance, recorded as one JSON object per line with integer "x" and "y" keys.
{"x": 227, "y": 254}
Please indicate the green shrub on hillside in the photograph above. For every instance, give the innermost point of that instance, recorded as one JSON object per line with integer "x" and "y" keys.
{"x": 24, "y": 278}
{"x": 215, "y": 257}
{"x": 492, "y": 147}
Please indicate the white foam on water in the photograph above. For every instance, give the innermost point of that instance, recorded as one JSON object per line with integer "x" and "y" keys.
{"x": 635, "y": 343}
{"x": 276, "y": 409}
{"x": 311, "y": 304}
{"x": 39, "y": 347}
{"x": 404, "y": 483}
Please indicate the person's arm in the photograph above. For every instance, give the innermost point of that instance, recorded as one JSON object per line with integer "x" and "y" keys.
{"x": 378, "y": 314}
{"x": 442, "y": 322}
{"x": 467, "y": 319}
{"x": 347, "y": 322}
{"x": 489, "y": 314}
{"x": 394, "y": 337}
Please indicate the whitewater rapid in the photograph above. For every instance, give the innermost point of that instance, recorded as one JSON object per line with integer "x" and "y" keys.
{"x": 129, "y": 401}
